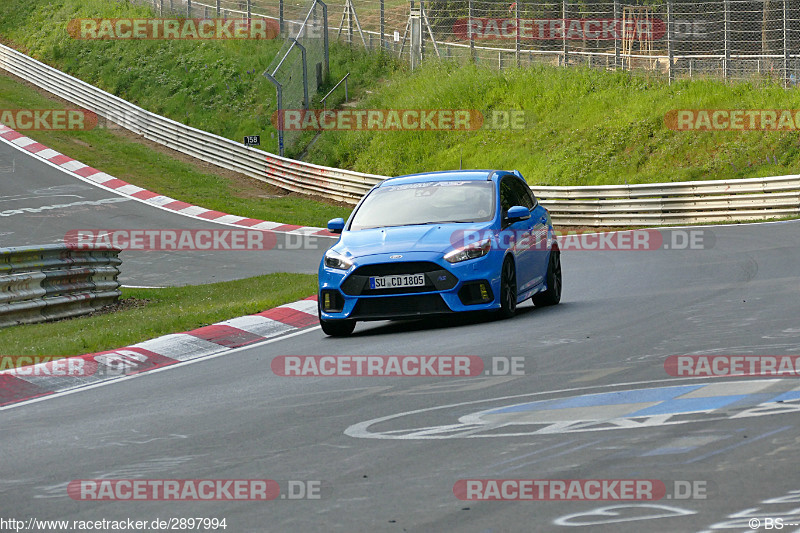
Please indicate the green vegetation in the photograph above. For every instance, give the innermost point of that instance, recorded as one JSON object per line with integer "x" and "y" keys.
{"x": 192, "y": 182}
{"x": 585, "y": 127}
{"x": 167, "y": 310}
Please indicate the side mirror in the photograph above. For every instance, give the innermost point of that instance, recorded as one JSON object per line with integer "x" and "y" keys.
{"x": 518, "y": 212}
{"x": 336, "y": 225}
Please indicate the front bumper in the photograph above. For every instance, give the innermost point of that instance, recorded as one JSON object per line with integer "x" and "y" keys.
{"x": 449, "y": 288}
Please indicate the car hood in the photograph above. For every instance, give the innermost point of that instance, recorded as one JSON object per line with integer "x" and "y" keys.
{"x": 423, "y": 238}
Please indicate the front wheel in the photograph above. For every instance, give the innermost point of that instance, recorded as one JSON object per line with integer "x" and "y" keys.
{"x": 508, "y": 289}
{"x": 553, "y": 293}
{"x": 337, "y": 328}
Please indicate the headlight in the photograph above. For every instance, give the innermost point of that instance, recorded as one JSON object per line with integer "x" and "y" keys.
{"x": 337, "y": 260}
{"x": 472, "y": 251}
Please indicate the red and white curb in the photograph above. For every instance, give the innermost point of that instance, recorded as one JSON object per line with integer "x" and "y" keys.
{"x": 43, "y": 379}
{"x": 123, "y": 188}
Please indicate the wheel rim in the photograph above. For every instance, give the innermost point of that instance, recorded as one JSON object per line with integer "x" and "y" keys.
{"x": 509, "y": 286}
{"x": 556, "y": 259}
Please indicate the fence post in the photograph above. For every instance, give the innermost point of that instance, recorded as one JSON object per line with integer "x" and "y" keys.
{"x": 189, "y": 8}
{"x": 280, "y": 15}
{"x": 785, "y": 46}
{"x": 421, "y": 29}
{"x": 249, "y": 5}
{"x": 516, "y": 37}
{"x": 670, "y": 37}
{"x": 383, "y": 38}
{"x": 327, "y": 65}
{"x": 279, "y": 98}
{"x": 726, "y": 61}
{"x": 471, "y": 36}
{"x": 219, "y": 8}
{"x": 564, "y": 29}
{"x": 616, "y": 34}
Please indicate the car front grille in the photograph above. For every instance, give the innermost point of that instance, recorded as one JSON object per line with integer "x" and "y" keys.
{"x": 436, "y": 278}
{"x": 399, "y": 306}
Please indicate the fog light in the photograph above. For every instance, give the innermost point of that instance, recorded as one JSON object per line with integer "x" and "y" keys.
{"x": 327, "y": 304}
{"x": 484, "y": 293}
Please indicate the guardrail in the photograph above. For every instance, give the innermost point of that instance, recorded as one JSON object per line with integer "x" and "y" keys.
{"x": 39, "y": 283}
{"x": 608, "y": 205}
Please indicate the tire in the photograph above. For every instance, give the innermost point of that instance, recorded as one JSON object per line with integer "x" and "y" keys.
{"x": 553, "y": 293}
{"x": 337, "y": 328}
{"x": 508, "y": 289}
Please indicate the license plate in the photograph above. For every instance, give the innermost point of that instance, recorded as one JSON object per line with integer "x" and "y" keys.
{"x": 397, "y": 282}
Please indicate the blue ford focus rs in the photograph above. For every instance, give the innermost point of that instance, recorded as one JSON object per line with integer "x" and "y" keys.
{"x": 438, "y": 243}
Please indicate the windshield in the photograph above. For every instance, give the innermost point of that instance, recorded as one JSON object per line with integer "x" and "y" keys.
{"x": 433, "y": 202}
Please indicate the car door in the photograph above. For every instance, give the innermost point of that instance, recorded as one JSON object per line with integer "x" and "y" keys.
{"x": 539, "y": 237}
{"x": 512, "y": 192}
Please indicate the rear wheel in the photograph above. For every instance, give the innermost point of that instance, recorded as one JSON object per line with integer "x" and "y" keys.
{"x": 553, "y": 293}
{"x": 508, "y": 289}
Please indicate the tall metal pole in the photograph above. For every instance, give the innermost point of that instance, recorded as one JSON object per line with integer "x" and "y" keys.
{"x": 670, "y": 37}
{"x": 516, "y": 37}
{"x": 785, "y": 46}
{"x": 726, "y": 61}
{"x": 616, "y": 34}
{"x": 327, "y": 65}
{"x": 383, "y": 39}
{"x": 564, "y": 28}
{"x": 470, "y": 34}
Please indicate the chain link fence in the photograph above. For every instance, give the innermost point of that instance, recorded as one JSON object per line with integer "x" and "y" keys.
{"x": 730, "y": 39}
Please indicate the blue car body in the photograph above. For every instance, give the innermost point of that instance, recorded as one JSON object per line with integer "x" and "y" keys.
{"x": 397, "y": 253}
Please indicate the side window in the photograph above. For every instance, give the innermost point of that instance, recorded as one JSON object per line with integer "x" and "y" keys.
{"x": 508, "y": 198}
{"x": 522, "y": 193}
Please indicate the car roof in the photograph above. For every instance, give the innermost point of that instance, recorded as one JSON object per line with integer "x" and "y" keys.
{"x": 445, "y": 175}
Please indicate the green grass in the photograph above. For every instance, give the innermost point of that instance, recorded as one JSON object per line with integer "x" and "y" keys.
{"x": 215, "y": 86}
{"x": 136, "y": 163}
{"x": 585, "y": 127}
{"x": 169, "y": 310}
